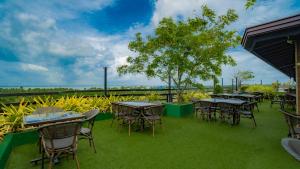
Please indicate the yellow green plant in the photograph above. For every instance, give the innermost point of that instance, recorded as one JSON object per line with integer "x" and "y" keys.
{"x": 153, "y": 96}
{"x": 267, "y": 90}
{"x": 195, "y": 95}
{"x": 12, "y": 116}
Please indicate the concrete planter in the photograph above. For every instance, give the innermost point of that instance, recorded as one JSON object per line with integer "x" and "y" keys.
{"x": 179, "y": 110}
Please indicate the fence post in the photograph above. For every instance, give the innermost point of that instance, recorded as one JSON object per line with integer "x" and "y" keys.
{"x": 232, "y": 85}
{"x": 105, "y": 81}
{"x": 169, "y": 97}
{"x": 222, "y": 83}
{"x": 236, "y": 84}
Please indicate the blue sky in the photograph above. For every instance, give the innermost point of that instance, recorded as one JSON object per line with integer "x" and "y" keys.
{"x": 68, "y": 42}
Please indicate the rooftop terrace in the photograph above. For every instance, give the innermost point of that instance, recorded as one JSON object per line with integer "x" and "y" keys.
{"x": 182, "y": 143}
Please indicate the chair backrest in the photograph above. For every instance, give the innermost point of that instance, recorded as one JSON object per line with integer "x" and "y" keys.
{"x": 90, "y": 117}
{"x": 204, "y": 104}
{"x": 50, "y": 109}
{"x": 66, "y": 130}
{"x": 293, "y": 121}
{"x": 226, "y": 107}
{"x": 155, "y": 110}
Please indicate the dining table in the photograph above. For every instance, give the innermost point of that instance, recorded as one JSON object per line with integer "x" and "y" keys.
{"x": 139, "y": 107}
{"x": 237, "y": 103}
{"x": 49, "y": 118}
{"x": 249, "y": 97}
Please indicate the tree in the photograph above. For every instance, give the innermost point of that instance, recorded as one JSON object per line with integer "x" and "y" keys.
{"x": 250, "y": 3}
{"x": 243, "y": 76}
{"x": 186, "y": 50}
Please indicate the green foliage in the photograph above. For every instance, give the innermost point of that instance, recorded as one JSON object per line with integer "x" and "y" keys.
{"x": 267, "y": 90}
{"x": 187, "y": 97}
{"x": 153, "y": 96}
{"x": 218, "y": 89}
{"x": 186, "y": 50}
{"x": 250, "y": 3}
{"x": 276, "y": 85}
{"x": 12, "y": 117}
{"x": 243, "y": 88}
{"x": 243, "y": 76}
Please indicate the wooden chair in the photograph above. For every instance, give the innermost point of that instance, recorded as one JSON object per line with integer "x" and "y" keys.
{"x": 153, "y": 114}
{"x": 227, "y": 112}
{"x": 293, "y": 122}
{"x": 60, "y": 139}
{"x": 247, "y": 111}
{"x": 116, "y": 112}
{"x": 205, "y": 110}
{"x": 277, "y": 99}
{"x": 129, "y": 117}
{"x": 45, "y": 110}
{"x": 87, "y": 132}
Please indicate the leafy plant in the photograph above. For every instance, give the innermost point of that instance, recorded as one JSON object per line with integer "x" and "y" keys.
{"x": 195, "y": 95}
{"x": 218, "y": 89}
{"x": 13, "y": 116}
{"x": 267, "y": 90}
{"x": 185, "y": 50}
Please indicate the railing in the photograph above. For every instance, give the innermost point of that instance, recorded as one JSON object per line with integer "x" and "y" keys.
{"x": 168, "y": 94}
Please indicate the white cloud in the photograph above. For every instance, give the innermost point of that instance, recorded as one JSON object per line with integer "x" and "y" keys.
{"x": 33, "y": 67}
{"x": 33, "y": 30}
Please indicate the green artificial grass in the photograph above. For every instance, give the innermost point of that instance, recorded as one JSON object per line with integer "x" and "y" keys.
{"x": 183, "y": 143}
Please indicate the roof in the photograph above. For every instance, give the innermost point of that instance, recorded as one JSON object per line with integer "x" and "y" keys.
{"x": 273, "y": 42}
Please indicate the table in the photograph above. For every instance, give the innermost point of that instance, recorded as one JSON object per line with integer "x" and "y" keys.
{"x": 235, "y": 102}
{"x": 249, "y": 97}
{"x": 139, "y": 107}
{"x": 47, "y": 118}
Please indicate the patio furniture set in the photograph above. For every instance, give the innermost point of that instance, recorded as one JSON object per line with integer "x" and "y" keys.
{"x": 139, "y": 114}
{"x": 59, "y": 132}
{"x": 228, "y": 107}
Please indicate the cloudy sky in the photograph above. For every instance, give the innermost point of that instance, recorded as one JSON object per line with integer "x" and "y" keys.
{"x": 68, "y": 42}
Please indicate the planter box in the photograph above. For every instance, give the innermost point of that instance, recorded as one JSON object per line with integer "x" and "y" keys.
{"x": 179, "y": 110}
{"x": 104, "y": 116}
{"x": 12, "y": 140}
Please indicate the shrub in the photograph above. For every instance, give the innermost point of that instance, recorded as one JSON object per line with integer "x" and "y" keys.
{"x": 218, "y": 89}
{"x": 267, "y": 90}
{"x": 195, "y": 95}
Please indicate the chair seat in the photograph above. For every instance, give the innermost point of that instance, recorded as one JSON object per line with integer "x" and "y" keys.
{"x": 292, "y": 146}
{"x": 85, "y": 131}
{"x": 297, "y": 130}
{"x": 152, "y": 117}
{"x": 129, "y": 118}
{"x": 245, "y": 113}
{"x": 60, "y": 143}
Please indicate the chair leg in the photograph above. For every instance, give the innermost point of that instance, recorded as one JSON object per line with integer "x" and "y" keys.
{"x": 129, "y": 128}
{"x": 77, "y": 162}
{"x": 253, "y": 118}
{"x": 153, "y": 128}
{"x": 112, "y": 121}
{"x": 93, "y": 143}
{"x": 43, "y": 158}
{"x": 50, "y": 161}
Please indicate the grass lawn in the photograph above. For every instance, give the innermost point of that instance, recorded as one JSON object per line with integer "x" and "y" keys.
{"x": 183, "y": 143}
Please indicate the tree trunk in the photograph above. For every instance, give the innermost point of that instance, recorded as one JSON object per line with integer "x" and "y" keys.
{"x": 179, "y": 96}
